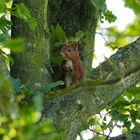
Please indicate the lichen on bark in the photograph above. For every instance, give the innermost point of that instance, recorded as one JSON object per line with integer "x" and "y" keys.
{"x": 32, "y": 65}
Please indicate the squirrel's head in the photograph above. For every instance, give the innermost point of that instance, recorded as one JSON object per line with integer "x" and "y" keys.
{"x": 69, "y": 51}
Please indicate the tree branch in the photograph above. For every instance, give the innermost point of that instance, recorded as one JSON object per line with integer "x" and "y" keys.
{"x": 71, "y": 107}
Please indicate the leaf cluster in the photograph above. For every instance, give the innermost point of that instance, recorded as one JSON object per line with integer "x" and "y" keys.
{"x": 105, "y": 14}
{"x": 123, "y": 113}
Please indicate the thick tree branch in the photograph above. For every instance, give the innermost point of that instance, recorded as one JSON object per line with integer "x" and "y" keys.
{"x": 89, "y": 97}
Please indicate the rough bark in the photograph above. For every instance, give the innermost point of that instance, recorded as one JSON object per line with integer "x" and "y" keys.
{"x": 7, "y": 100}
{"x": 71, "y": 107}
{"x": 32, "y": 65}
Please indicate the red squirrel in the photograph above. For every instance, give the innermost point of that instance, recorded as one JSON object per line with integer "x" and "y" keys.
{"x": 71, "y": 67}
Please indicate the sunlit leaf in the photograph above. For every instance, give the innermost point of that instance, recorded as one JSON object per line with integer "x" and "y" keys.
{"x": 109, "y": 16}
{"x": 15, "y": 45}
{"x": 5, "y": 24}
{"x": 12, "y": 132}
{"x": 2, "y": 6}
{"x": 2, "y": 130}
{"x": 98, "y": 129}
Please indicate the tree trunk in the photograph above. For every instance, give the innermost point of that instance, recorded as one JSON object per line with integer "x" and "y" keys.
{"x": 33, "y": 64}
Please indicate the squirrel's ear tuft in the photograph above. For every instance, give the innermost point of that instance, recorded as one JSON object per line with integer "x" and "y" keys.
{"x": 75, "y": 45}
{"x": 65, "y": 42}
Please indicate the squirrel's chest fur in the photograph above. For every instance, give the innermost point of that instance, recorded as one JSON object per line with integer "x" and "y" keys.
{"x": 69, "y": 74}
{"x": 69, "y": 64}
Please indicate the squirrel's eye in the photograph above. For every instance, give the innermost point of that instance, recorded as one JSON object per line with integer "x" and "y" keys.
{"x": 69, "y": 50}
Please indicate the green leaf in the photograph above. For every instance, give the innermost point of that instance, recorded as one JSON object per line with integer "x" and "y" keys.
{"x": 3, "y": 7}
{"x": 109, "y": 16}
{"x": 134, "y": 101}
{"x": 49, "y": 86}
{"x": 15, "y": 45}
{"x": 99, "y": 4}
{"x": 16, "y": 83}
{"x": 57, "y": 35}
{"x": 94, "y": 120}
{"x": 21, "y": 11}
{"x": 134, "y": 5}
{"x": 9, "y": 60}
{"x": 78, "y": 35}
{"x": 56, "y": 59}
{"x": 4, "y": 37}
{"x": 117, "y": 116}
{"x": 5, "y": 25}
{"x": 98, "y": 129}
{"x": 137, "y": 126}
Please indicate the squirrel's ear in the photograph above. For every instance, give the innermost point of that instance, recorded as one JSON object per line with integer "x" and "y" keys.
{"x": 65, "y": 41}
{"x": 75, "y": 45}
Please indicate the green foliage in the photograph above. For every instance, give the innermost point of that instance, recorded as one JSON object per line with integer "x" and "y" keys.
{"x": 118, "y": 39}
{"x": 16, "y": 83}
{"x": 21, "y": 11}
{"x": 47, "y": 87}
{"x": 109, "y": 16}
{"x": 27, "y": 127}
{"x": 2, "y": 6}
{"x": 78, "y": 36}
{"x": 5, "y": 24}
{"x": 57, "y": 36}
{"x": 101, "y": 6}
{"x": 123, "y": 113}
{"x": 133, "y": 4}
{"x": 15, "y": 45}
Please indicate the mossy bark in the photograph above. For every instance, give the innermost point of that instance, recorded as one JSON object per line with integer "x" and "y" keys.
{"x": 74, "y": 16}
{"x": 32, "y": 65}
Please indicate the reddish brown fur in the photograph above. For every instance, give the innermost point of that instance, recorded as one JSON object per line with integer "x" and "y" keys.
{"x": 70, "y": 53}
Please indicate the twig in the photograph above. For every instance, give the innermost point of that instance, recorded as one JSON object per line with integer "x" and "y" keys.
{"x": 105, "y": 39}
{"x": 98, "y": 133}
